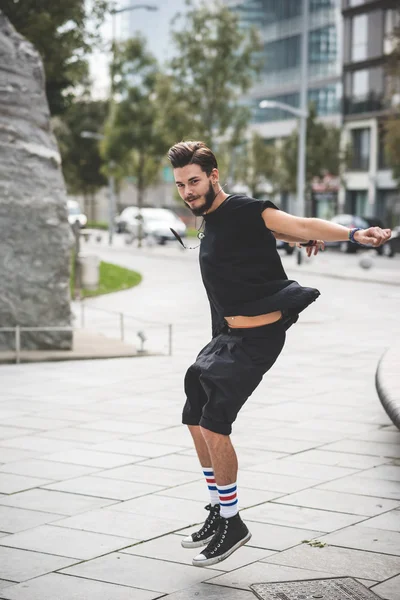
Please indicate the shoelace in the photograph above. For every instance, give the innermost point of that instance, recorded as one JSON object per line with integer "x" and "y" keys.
{"x": 214, "y": 513}
{"x": 218, "y": 537}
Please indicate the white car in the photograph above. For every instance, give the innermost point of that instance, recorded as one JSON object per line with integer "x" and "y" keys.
{"x": 75, "y": 215}
{"x": 156, "y": 223}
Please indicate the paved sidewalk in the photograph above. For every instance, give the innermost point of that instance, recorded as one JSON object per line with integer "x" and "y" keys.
{"x": 99, "y": 482}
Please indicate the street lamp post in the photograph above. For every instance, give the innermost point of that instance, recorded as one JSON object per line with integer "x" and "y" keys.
{"x": 117, "y": 11}
{"x": 111, "y": 186}
{"x": 302, "y": 114}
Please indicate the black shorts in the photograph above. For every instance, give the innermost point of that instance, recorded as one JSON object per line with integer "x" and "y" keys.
{"x": 226, "y": 373}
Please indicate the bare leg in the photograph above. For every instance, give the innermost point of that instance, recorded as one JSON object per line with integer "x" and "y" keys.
{"x": 200, "y": 445}
{"x": 223, "y": 456}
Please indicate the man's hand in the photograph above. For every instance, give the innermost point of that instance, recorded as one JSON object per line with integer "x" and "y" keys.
{"x": 374, "y": 236}
{"x": 314, "y": 249}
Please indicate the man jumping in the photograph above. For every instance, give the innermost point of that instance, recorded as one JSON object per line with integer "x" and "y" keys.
{"x": 252, "y": 304}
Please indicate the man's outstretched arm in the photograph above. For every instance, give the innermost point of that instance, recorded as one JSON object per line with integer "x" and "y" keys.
{"x": 318, "y": 229}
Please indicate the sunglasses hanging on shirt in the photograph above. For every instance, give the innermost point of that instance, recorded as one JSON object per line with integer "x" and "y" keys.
{"x": 200, "y": 235}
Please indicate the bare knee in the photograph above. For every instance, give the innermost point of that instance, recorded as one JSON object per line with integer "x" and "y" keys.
{"x": 212, "y": 438}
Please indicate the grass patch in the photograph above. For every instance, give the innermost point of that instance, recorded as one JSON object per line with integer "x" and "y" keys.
{"x": 112, "y": 279}
{"x": 97, "y": 225}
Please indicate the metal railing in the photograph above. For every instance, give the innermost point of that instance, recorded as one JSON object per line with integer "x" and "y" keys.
{"x": 18, "y": 329}
{"x": 122, "y": 319}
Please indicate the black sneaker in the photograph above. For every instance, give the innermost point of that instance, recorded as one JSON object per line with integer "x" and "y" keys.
{"x": 231, "y": 534}
{"x": 206, "y": 533}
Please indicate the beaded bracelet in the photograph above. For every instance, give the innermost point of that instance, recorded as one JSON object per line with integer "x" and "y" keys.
{"x": 352, "y": 232}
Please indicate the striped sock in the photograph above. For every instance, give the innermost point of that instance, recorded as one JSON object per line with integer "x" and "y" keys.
{"x": 212, "y": 487}
{"x": 228, "y": 500}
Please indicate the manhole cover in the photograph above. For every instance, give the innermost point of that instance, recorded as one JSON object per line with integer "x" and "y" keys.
{"x": 336, "y": 588}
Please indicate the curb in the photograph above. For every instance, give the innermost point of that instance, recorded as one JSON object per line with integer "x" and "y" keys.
{"x": 387, "y": 383}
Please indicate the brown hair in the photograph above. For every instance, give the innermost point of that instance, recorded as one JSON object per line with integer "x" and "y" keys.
{"x": 192, "y": 153}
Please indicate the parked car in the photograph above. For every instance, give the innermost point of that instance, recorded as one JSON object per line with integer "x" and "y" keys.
{"x": 75, "y": 214}
{"x": 156, "y": 224}
{"x": 390, "y": 247}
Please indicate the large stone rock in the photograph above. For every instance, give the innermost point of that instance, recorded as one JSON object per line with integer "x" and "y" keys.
{"x": 35, "y": 237}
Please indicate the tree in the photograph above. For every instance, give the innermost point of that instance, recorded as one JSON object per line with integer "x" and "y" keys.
{"x": 134, "y": 134}
{"x": 61, "y": 33}
{"x": 323, "y": 154}
{"x": 81, "y": 161}
{"x": 215, "y": 64}
{"x": 256, "y": 165}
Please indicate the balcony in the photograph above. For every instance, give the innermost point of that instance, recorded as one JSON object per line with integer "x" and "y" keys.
{"x": 291, "y": 27}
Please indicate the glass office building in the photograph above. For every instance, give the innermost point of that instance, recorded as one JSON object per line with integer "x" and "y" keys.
{"x": 280, "y": 22}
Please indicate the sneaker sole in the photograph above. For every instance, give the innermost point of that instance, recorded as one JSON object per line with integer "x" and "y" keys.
{"x": 217, "y": 559}
{"x": 196, "y": 544}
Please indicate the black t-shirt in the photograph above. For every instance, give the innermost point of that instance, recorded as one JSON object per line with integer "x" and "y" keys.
{"x": 241, "y": 268}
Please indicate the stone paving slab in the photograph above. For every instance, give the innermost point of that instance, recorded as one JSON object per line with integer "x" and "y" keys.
{"x": 320, "y": 473}
{"x": 143, "y": 573}
{"x": 340, "y": 561}
{"x": 389, "y": 521}
{"x": 13, "y": 520}
{"x": 366, "y": 538}
{"x": 164, "y": 477}
{"x": 56, "y": 586}
{"x": 54, "y": 501}
{"x": 389, "y": 472}
{"x": 204, "y": 591}
{"x": 130, "y": 527}
{"x": 340, "y": 502}
{"x": 282, "y": 484}
{"x": 339, "y": 459}
{"x": 363, "y": 447}
{"x": 369, "y": 487}
{"x": 49, "y": 469}
{"x": 126, "y": 446}
{"x": 112, "y": 489}
{"x": 389, "y": 589}
{"x": 91, "y": 458}
{"x": 299, "y": 517}
{"x": 10, "y": 483}
{"x": 69, "y": 543}
{"x": 12, "y": 432}
{"x": 37, "y": 443}
{"x": 20, "y": 565}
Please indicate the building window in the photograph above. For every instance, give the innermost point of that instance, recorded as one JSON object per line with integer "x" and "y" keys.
{"x": 360, "y": 149}
{"x": 359, "y": 38}
{"x": 282, "y": 54}
{"x": 392, "y": 20}
{"x": 383, "y": 162}
{"x": 355, "y": 2}
{"x": 360, "y": 85}
{"x": 364, "y": 91}
{"x": 321, "y": 4}
{"x": 322, "y": 45}
{"x": 326, "y": 100}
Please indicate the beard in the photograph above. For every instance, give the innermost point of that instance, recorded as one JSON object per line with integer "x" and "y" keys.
{"x": 207, "y": 204}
